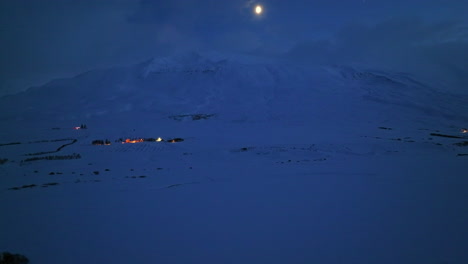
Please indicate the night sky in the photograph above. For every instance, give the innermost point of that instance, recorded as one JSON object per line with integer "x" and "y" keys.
{"x": 42, "y": 40}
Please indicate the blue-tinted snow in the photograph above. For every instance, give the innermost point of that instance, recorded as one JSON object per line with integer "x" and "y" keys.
{"x": 298, "y": 165}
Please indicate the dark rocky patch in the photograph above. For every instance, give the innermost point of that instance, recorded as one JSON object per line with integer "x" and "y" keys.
{"x": 462, "y": 154}
{"x": 136, "y": 177}
{"x": 8, "y": 258}
{"x": 193, "y": 117}
{"x": 63, "y": 139}
{"x": 100, "y": 142}
{"x": 462, "y": 144}
{"x": 56, "y": 157}
{"x": 321, "y": 159}
{"x": 175, "y": 185}
{"x": 39, "y": 141}
{"x": 8, "y": 144}
{"x": 51, "y": 183}
{"x": 96, "y": 172}
{"x": 442, "y": 135}
{"x": 244, "y": 149}
{"x": 45, "y": 185}
{"x": 386, "y": 128}
{"x": 23, "y": 187}
{"x": 54, "y": 151}
{"x": 299, "y": 161}
{"x": 3, "y": 161}
{"x": 180, "y": 184}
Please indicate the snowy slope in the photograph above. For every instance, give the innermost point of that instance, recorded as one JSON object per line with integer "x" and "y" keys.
{"x": 236, "y": 87}
{"x": 279, "y": 164}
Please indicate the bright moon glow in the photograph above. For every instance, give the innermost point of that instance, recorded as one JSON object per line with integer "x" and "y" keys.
{"x": 258, "y": 10}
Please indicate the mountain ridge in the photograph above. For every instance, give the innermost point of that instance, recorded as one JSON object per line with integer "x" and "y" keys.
{"x": 234, "y": 86}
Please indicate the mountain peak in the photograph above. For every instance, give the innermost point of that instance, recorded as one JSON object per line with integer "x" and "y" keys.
{"x": 200, "y": 61}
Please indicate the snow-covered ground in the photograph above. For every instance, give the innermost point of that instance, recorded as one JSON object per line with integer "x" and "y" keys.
{"x": 291, "y": 165}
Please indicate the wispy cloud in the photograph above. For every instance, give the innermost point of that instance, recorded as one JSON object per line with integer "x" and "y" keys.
{"x": 438, "y": 51}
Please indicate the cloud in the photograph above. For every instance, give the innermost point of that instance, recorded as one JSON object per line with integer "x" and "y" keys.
{"x": 435, "y": 51}
{"x": 42, "y": 40}
{"x": 201, "y": 24}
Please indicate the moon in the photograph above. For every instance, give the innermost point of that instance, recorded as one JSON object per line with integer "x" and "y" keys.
{"x": 258, "y": 9}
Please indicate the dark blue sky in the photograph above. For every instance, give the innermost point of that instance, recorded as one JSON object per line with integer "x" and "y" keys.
{"x": 42, "y": 40}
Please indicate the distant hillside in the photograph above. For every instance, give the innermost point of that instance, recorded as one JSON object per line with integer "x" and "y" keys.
{"x": 234, "y": 87}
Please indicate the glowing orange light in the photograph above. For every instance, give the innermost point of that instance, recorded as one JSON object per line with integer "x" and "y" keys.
{"x": 76, "y": 128}
{"x": 464, "y": 130}
{"x": 159, "y": 139}
{"x": 132, "y": 141}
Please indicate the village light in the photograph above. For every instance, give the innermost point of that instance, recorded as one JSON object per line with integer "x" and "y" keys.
{"x": 175, "y": 140}
{"x": 132, "y": 141}
{"x": 464, "y": 130}
{"x": 137, "y": 140}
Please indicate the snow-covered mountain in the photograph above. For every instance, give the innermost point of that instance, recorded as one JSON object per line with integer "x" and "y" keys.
{"x": 232, "y": 86}
{"x": 220, "y": 158}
